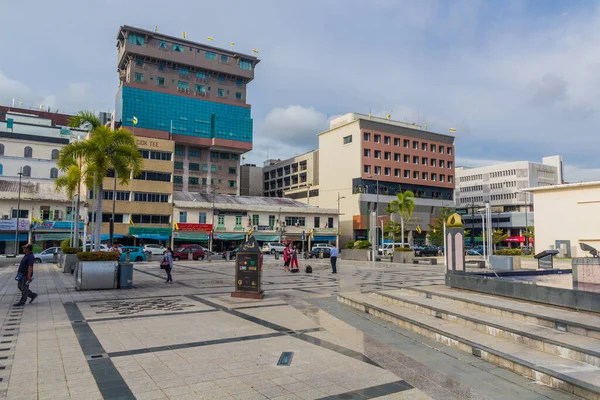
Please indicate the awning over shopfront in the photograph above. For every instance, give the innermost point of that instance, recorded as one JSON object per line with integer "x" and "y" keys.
{"x": 106, "y": 236}
{"x": 267, "y": 238}
{"x": 199, "y": 236}
{"x": 8, "y": 237}
{"x": 323, "y": 238}
{"x": 151, "y": 236}
{"x": 53, "y": 236}
{"x": 230, "y": 236}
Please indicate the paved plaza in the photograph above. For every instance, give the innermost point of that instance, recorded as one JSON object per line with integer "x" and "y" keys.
{"x": 192, "y": 340}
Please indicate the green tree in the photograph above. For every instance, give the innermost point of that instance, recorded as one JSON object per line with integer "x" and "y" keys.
{"x": 436, "y": 230}
{"x": 104, "y": 150}
{"x": 403, "y": 206}
{"x": 529, "y": 234}
{"x": 498, "y": 236}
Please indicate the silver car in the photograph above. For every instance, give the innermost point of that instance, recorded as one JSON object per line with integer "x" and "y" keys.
{"x": 46, "y": 256}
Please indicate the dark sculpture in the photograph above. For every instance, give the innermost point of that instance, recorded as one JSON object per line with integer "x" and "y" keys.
{"x": 590, "y": 249}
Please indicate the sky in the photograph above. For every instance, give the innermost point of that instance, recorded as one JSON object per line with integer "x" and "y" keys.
{"x": 518, "y": 80}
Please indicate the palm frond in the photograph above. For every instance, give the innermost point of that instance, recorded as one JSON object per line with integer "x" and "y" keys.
{"x": 83, "y": 117}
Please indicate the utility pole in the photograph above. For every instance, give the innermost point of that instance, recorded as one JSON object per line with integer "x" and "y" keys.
{"x": 18, "y": 214}
{"x": 112, "y": 217}
{"x": 337, "y": 237}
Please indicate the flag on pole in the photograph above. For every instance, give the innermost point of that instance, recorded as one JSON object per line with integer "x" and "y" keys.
{"x": 425, "y": 125}
{"x": 452, "y": 130}
{"x": 131, "y": 222}
{"x": 255, "y": 51}
{"x": 389, "y": 116}
{"x": 209, "y": 38}
{"x": 175, "y": 226}
{"x": 135, "y": 120}
{"x": 419, "y": 229}
{"x": 183, "y": 35}
{"x": 156, "y": 28}
{"x": 20, "y": 103}
{"x": 232, "y": 44}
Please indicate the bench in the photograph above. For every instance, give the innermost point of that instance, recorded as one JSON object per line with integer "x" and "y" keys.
{"x": 430, "y": 261}
{"x": 478, "y": 263}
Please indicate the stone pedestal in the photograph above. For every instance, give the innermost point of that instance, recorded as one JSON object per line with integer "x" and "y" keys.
{"x": 586, "y": 271}
{"x": 455, "y": 252}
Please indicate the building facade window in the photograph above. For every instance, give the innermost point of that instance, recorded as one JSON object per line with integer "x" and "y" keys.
{"x": 149, "y": 219}
{"x": 238, "y": 96}
{"x": 149, "y": 197}
{"x": 177, "y": 48}
{"x": 134, "y": 38}
{"x": 160, "y": 81}
{"x": 255, "y": 219}
{"x": 387, "y": 140}
{"x": 367, "y": 137}
{"x": 177, "y": 179}
{"x": 271, "y": 221}
{"x": 232, "y": 171}
{"x": 348, "y": 139}
{"x": 183, "y": 216}
{"x": 154, "y": 176}
{"x": 231, "y": 184}
{"x": 192, "y": 180}
{"x": 245, "y": 64}
{"x": 377, "y": 138}
{"x": 178, "y": 165}
{"x": 54, "y": 154}
{"x": 194, "y": 167}
{"x": 1, "y": 149}
{"x": 213, "y": 168}
{"x": 202, "y": 218}
{"x": 317, "y": 222}
{"x": 295, "y": 221}
{"x": 179, "y": 150}
{"x": 53, "y": 173}
{"x": 221, "y": 92}
{"x": 139, "y": 77}
{"x": 162, "y": 45}
{"x": 193, "y": 152}
{"x": 211, "y": 56}
{"x": 367, "y": 169}
{"x": 367, "y": 153}
{"x": 26, "y": 170}
{"x": 28, "y": 152}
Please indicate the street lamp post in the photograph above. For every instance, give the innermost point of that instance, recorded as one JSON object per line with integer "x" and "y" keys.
{"x": 212, "y": 226}
{"x": 376, "y": 210}
{"x": 18, "y": 214}
{"x": 337, "y": 237}
{"x": 112, "y": 216}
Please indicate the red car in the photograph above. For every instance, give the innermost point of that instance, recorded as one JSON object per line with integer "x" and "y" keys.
{"x": 182, "y": 253}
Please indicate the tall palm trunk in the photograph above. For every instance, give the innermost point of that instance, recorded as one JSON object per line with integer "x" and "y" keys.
{"x": 77, "y": 205}
{"x": 98, "y": 226}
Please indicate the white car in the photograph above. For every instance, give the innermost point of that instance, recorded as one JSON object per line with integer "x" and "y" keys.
{"x": 154, "y": 249}
{"x": 322, "y": 246}
{"x": 272, "y": 248}
{"x": 91, "y": 246}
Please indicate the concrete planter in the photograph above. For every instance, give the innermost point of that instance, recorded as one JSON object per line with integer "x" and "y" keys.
{"x": 68, "y": 262}
{"x": 357, "y": 254}
{"x": 403, "y": 257}
{"x": 505, "y": 263}
{"x": 96, "y": 275}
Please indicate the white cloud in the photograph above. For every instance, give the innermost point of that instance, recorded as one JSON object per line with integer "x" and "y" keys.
{"x": 293, "y": 124}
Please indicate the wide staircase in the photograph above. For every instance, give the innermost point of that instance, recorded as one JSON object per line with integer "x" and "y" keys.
{"x": 553, "y": 346}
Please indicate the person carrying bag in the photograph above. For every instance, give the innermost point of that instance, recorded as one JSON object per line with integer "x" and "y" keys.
{"x": 167, "y": 264}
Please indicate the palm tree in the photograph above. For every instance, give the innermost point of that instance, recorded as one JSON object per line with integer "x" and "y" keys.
{"x": 404, "y": 206}
{"x": 104, "y": 150}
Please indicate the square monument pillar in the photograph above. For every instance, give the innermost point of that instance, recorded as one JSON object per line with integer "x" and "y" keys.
{"x": 455, "y": 244}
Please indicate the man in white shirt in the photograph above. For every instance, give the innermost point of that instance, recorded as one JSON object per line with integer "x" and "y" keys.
{"x": 334, "y": 256}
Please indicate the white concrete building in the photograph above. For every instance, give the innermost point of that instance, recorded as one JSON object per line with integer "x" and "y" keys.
{"x": 30, "y": 144}
{"x": 270, "y": 219}
{"x": 298, "y": 174}
{"x": 40, "y": 202}
{"x": 501, "y": 185}
{"x": 567, "y": 216}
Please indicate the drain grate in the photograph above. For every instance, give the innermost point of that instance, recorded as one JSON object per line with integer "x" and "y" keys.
{"x": 562, "y": 327}
{"x": 286, "y": 358}
{"x": 438, "y": 314}
{"x": 96, "y": 356}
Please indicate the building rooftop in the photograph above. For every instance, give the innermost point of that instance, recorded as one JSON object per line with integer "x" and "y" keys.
{"x": 258, "y": 203}
{"x": 56, "y": 118}
{"x": 576, "y": 185}
{"x": 160, "y": 35}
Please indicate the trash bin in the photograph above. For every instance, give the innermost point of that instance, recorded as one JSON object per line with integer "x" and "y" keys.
{"x": 125, "y": 276}
{"x": 96, "y": 275}
{"x": 277, "y": 255}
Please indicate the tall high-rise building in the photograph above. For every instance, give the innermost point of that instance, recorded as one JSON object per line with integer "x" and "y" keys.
{"x": 194, "y": 94}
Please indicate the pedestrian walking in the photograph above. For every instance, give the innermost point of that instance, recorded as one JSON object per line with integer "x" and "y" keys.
{"x": 116, "y": 249}
{"x": 25, "y": 276}
{"x": 333, "y": 259}
{"x": 294, "y": 259}
{"x": 287, "y": 258}
{"x": 167, "y": 264}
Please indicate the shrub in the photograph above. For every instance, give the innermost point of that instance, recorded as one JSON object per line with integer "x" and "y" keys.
{"x": 362, "y": 244}
{"x": 404, "y": 249}
{"x": 69, "y": 250}
{"x": 509, "y": 252}
{"x": 98, "y": 256}
{"x": 350, "y": 244}
{"x": 65, "y": 245}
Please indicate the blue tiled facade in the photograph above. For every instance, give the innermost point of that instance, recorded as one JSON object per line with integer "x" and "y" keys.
{"x": 189, "y": 116}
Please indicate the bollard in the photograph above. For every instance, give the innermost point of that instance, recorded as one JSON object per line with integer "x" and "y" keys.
{"x": 55, "y": 257}
{"x": 321, "y": 254}
{"x": 127, "y": 257}
{"x": 149, "y": 254}
{"x": 276, "y": 255}
{"x": 190, "y": 256}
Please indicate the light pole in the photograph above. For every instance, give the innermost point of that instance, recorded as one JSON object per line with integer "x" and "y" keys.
{"x": 280, "y": 225}
{"x": 376, "y": 209}
{"x": 337, "y": 237}
{"x": 212, "y": 226}
{"x": 18, "y": 213}
{"x": 112, "y": 217}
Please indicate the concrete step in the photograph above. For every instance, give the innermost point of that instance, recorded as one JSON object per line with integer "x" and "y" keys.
{"x": 562, "y": 344}
{"x": 571, "y": 376}
{"x": 577, "y": 322}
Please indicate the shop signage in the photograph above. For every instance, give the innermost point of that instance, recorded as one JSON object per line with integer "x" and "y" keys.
{"x": 325, "y": 230}
{"x": 187, "y": 227}
{"x": 147, "y": 143}
{"x": 145, "y": 230}
{"x": 265, "y": 228}
{"x": 11, "y": 224}
{"x": 230, "y": 212}
{"x": 64, "y": 225}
